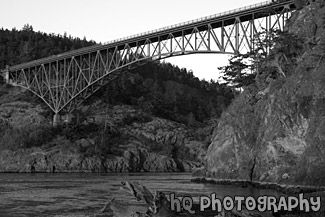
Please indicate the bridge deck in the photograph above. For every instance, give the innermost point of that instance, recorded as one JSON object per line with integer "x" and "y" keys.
{"x": 254, "y": 11}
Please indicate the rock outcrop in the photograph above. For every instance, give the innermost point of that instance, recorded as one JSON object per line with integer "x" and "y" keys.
{"x": 276, "y": 133}
{"x": 40, "y": 160}
{"x": 143, "y": 143}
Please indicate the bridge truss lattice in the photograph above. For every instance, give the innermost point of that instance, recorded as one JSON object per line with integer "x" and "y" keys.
{"x": 65, "y": 79}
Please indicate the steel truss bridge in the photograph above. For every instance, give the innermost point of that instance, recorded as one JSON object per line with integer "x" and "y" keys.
{"x": 63, "y": 80}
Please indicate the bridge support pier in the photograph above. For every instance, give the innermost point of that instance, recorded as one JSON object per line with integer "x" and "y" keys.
{"x": 5, "y": 75}
{"x": 56, "y": 119}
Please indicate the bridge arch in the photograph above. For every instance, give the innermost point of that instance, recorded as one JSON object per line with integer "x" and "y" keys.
{"x": 70, "y": 77}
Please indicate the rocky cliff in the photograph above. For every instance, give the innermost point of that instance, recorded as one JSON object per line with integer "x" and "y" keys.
{"x": 274, "y": 131}
{"x": 68, "y": 160}
{"x": 116, "y": 138}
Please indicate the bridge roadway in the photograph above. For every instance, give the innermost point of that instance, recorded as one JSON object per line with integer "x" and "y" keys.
{"x": 64, "y": 80}
{"x": 247, "y": 13}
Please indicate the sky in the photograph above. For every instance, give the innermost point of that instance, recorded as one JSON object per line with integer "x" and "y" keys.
{"x": 106, "y": 20}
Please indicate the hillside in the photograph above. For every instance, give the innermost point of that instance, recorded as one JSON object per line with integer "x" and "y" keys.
{"x": 156, "y": 117}
{"x": 274, "y": 130}
{"x": 19, "y": 46}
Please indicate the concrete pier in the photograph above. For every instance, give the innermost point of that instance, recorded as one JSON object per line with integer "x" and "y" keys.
{"x": 5, "y": 74}
{"x": 56, "y": 119}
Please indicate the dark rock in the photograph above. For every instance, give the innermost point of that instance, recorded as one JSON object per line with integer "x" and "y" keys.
{"x": 133, "y": 160}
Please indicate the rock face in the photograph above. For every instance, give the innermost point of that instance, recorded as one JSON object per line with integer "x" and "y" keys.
{"x": 276, "y": 134}
{"x": 143, "y": 143}
{"x": 39, "y": 160}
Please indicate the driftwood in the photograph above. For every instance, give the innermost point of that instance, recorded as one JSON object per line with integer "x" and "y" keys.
{"x": 154, "y": 205}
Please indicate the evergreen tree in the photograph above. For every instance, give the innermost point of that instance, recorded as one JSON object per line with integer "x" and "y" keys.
{"x": 271, "y": 50}
{"x": 26, "y": 45}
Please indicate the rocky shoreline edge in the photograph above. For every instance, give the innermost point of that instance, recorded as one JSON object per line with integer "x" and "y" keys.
{"x": 282, "y": 188}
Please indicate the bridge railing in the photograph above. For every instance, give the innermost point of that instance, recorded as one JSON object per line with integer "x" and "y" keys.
{"x": 261, "y": 4}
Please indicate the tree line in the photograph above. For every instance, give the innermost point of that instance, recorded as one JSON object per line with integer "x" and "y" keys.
{"x": 19, "y": 46}
{"x": 167, "y": 91}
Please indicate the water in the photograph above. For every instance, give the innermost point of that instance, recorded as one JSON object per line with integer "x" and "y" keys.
{"x": 85, "y": 194}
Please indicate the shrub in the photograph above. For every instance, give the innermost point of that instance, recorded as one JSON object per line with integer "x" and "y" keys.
{"x": 140, "y": 118}
{"x": 35, "y": 136}
{"x": 77, "y": 131}
{"x": 9, "y": 139}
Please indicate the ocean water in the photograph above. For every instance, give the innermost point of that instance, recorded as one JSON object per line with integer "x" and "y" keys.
{"x": 73, "y": 194}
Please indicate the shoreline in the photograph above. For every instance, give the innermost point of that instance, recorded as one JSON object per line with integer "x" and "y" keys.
{"x": 282, "y": 188}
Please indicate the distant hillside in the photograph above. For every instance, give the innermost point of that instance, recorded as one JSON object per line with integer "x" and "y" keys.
{"x": 167, "y": 91}
{"x": 19, "y": 46}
